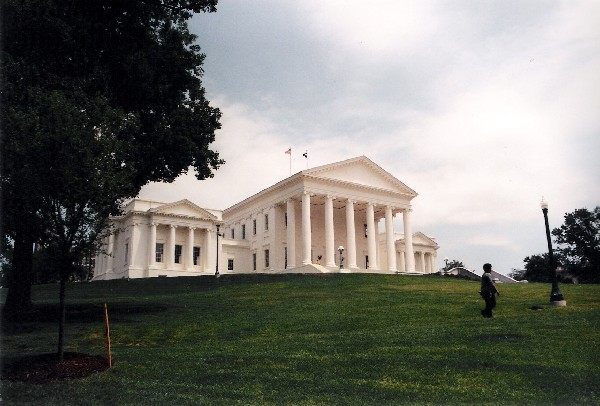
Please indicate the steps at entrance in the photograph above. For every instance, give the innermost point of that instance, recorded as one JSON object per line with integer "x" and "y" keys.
{"x": 314, "y": 268}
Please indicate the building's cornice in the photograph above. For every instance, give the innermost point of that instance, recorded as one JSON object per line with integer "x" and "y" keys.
{"x": 264, "y": 200}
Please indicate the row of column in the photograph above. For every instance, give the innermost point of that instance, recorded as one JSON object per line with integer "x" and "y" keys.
{"x": 188, "y": 253}
{"x": 427, "y": 261}
{"x": 350, "y": 235}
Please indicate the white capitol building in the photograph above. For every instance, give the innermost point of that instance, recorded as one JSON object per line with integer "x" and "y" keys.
{"x": 297, "y": 225}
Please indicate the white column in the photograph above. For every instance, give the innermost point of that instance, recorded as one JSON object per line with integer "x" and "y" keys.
{"x": 111, "y": 253}
{"x": 350, "y": 235}
{"x": 99, "y": 265}
{"x": 329, "y": 232}
{"x": 389, "y": 238}
{"x": 133, "y": 244}
{"x": 190, "y": 249}
{"x": 220, "y": 253}
{"x": 423, "y": 267}
{"x": 402, "y": 262}
{"x": 371, "y": 236}
{"x": 410, "y": 256}
{"x": 306, "y": 230}
{"x": 431, "y": 262}
{"x": 170, "y": 254}
{"x": 208, "y": 250}
{"x": 291, "y": 234}
{"x": 152, "y": 245}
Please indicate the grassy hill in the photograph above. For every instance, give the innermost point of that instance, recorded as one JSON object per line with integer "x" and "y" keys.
{"x": 342, "y": 339}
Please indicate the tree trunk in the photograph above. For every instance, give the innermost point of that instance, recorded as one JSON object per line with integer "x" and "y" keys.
{"x": 61, "y": 319}
{"x": 18, "y": 299}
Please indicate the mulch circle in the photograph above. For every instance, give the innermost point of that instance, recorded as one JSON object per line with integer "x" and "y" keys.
{"x": 46, "y": 367}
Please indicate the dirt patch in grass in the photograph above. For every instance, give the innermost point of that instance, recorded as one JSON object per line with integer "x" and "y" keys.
{"x": 46, "y": 367}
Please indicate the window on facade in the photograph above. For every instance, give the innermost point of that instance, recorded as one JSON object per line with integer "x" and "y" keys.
{"x": 126, "y": 252}
{"x": 285, "y": 257}
{"x": 233, "y": 233}
{"x": 178, "y": 249}
{"x": 266, "y": 222}
{"x": 160, "y": 247}
{"x": 243, "y": 231}
{"x": 230, "y": 264}
{"x": 266, "y": 258}
{"x": 196, "y": 255}
{"x": 286, "y": 220}
{"x": 254, "y": 226}
{"x": 254, "y": 261}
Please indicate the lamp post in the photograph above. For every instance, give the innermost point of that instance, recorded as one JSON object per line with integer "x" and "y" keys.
{"x": 446, "y": 260}
{"x": 341, "y": 251}
{"x": 556, "y": 298}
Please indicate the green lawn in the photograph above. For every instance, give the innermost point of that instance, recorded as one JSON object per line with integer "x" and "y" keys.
{"x": 343, "y": 339}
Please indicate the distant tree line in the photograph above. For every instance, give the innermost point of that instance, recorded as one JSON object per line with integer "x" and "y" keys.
{"x": 576, "y": 251}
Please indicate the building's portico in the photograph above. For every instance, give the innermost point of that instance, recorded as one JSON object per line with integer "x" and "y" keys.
{"x": 342, "y": 204}
{"x": 154, "y": 239}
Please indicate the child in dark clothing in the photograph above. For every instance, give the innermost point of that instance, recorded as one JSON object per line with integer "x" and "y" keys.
{"x": 488, "y": 291}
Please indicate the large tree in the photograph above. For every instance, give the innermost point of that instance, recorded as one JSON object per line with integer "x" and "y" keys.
{"x": 98, "y": 99}
{"x": 578, "y": 242}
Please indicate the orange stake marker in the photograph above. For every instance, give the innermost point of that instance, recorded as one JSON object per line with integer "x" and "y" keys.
{"x": 107, "y": 329}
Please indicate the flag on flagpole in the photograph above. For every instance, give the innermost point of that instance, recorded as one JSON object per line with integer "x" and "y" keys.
{"x": 289, "y": 152}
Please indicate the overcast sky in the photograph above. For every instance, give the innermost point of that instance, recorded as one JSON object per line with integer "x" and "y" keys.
{"x": 481, "y": 107}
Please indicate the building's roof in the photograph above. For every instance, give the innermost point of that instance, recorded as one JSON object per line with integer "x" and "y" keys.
{"x": 359, "y": 172}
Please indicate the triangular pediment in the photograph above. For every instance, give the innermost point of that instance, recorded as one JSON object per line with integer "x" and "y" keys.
{"x": 421, "y": 239}
{"x": 184, "y": 208}
{"x": 361, "y": 171}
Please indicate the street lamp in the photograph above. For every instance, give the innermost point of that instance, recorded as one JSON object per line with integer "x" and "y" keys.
{"x": 556, "y": 298}
{"x": 341, "y": 251}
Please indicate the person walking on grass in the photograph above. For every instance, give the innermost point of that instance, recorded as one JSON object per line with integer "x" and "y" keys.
{"x": 488, "y": 291}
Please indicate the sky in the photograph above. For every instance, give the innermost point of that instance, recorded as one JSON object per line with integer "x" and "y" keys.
{"x": 481, "y": 107}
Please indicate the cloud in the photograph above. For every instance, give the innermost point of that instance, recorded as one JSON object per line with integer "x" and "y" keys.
{"x": 491, "y": 240}
{"x": 481, "y": 107}
{"x": 375, "y": 29}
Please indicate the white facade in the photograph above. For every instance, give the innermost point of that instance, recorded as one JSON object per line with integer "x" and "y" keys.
{"x": 297, "y": 223}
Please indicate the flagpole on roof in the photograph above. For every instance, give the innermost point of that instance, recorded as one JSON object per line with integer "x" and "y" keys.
{"x": 305, "y": 155}
{"x": 289, "y": 152}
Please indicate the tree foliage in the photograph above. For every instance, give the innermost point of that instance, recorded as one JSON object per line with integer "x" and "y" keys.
{"x": 576, "y": 252}
{"x": 98, "y": 99}
{"x": 578, "y": 242}
{"x": 537, "y": 269}
{"x": 453, "y": 264}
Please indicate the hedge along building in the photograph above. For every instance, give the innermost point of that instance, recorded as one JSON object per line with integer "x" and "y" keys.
{"x": 296, "y": 225}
